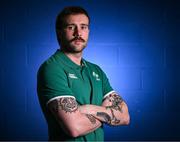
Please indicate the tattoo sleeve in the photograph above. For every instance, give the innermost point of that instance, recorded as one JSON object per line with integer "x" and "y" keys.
{"x": 105, "y": 116}
{"x": 116, "y": 101}
{"x": 114, "y": 120}
{"x": 91, "y": 118}
{"x": 115, "y": 105}
{"x": 68, "y": 104}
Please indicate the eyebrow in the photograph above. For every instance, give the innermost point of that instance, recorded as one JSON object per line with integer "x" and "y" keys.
{"x": 75, "y": 24}
{"x": 85, "y": 24}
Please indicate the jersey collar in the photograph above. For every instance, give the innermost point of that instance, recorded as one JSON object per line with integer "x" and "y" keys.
{"x": 66, "y": 60}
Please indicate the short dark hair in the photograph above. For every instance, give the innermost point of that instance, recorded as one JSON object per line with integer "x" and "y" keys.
{"x": 60, "y": 20}
{"x": 69, "y": 11}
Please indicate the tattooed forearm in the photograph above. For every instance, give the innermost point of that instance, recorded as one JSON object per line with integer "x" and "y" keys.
{"x": 91, "y": 118}
{"x": 116, "y": 101}
{"x": 105, "y": 116}
{"x": 114, "y": 120}
{"x": 68, "y": 104}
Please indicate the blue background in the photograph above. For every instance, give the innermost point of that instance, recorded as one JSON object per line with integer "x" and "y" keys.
{"x": 136, "y": 42}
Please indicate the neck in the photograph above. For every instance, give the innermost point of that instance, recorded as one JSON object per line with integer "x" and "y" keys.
{"x": 75, "y": 57}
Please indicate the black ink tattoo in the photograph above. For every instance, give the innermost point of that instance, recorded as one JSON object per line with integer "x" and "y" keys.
{"x": 116, "y": 101}
{"x": 105, "y": 116}
{"x": 114, "y": 120}
{"x": 91, "y": 118}
{"x": 116, "y": 104}
{"x": 68, "y": 104}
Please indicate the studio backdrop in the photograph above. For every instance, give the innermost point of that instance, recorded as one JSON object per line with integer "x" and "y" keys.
{"x": 136, "y": 43}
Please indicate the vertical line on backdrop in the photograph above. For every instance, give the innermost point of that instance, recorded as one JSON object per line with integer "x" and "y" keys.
{"x": 141, "y": 79}
{"x": 26, "y": 56}
{"x": 164, "y": 57}
{"x": 3, "y": 33}
{"x": 118, "y": 58}
{"x": 164, "y": 99}
{"x": 26, "y": 100}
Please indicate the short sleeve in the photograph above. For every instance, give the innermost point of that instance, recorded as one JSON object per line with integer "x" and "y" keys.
{"x": 107, "y": 89}
{"x": 52, "y": 83}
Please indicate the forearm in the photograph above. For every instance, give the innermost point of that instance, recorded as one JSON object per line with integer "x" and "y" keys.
{"x": 106, "y": 114}
{"x": 72, "y": 121}
{"x": 99, "y": 112}
{"x": 86, "y": 123}
{"x": 81, "y": 125}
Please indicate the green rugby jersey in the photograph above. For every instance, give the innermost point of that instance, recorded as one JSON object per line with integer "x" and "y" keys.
{"x": 60, "y": 77}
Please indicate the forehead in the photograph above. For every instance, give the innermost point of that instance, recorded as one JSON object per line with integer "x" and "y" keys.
{"x": 77, "y": 19}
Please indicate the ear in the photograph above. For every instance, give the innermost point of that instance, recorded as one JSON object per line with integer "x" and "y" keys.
{"x": 59, "y": 33}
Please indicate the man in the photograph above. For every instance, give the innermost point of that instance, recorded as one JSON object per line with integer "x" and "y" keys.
{"x": 75, "y": 95}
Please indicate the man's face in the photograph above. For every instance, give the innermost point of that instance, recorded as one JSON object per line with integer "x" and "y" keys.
{"x": 75, "y": 34}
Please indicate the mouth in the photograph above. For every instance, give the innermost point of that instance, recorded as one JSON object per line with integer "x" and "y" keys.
{"x": 77, "y": 40}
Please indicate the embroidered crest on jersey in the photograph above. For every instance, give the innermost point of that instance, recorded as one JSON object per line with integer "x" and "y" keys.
{"x": 96, "y": 76}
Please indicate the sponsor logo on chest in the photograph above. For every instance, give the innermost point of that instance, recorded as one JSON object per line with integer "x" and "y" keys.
{"x": 71, "y": 75}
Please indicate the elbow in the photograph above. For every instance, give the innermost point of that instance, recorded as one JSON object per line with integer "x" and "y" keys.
{"x": 74, "y": 132}
{"x": 126, "y": 120}
{"x": 70, "y": 130}
{"x": 75, "y": 129}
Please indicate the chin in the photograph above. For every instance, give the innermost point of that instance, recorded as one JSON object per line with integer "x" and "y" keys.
{"x": 77, "y": 49}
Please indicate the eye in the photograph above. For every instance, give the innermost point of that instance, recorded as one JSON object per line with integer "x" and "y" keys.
{"x": 71, "y": 27}
{"x": 84, "y": 27}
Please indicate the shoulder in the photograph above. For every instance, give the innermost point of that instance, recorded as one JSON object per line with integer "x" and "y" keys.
{"x": 51, "y": 66}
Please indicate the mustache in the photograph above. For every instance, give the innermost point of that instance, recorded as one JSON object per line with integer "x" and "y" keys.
{"x": 77, "y": 38}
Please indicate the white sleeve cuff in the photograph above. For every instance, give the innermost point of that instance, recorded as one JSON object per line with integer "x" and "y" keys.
{"x": 108, "y": 94}
{"x": 52, "y": 99}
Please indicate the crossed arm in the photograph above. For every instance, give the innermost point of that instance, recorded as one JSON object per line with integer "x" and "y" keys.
{"x": 113, "y": 111}
{"x": 74, "y": 123}
{"x": 80, "y": 120}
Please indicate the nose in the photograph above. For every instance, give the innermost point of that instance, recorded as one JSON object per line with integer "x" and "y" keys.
{"x": 77, "y": 32}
